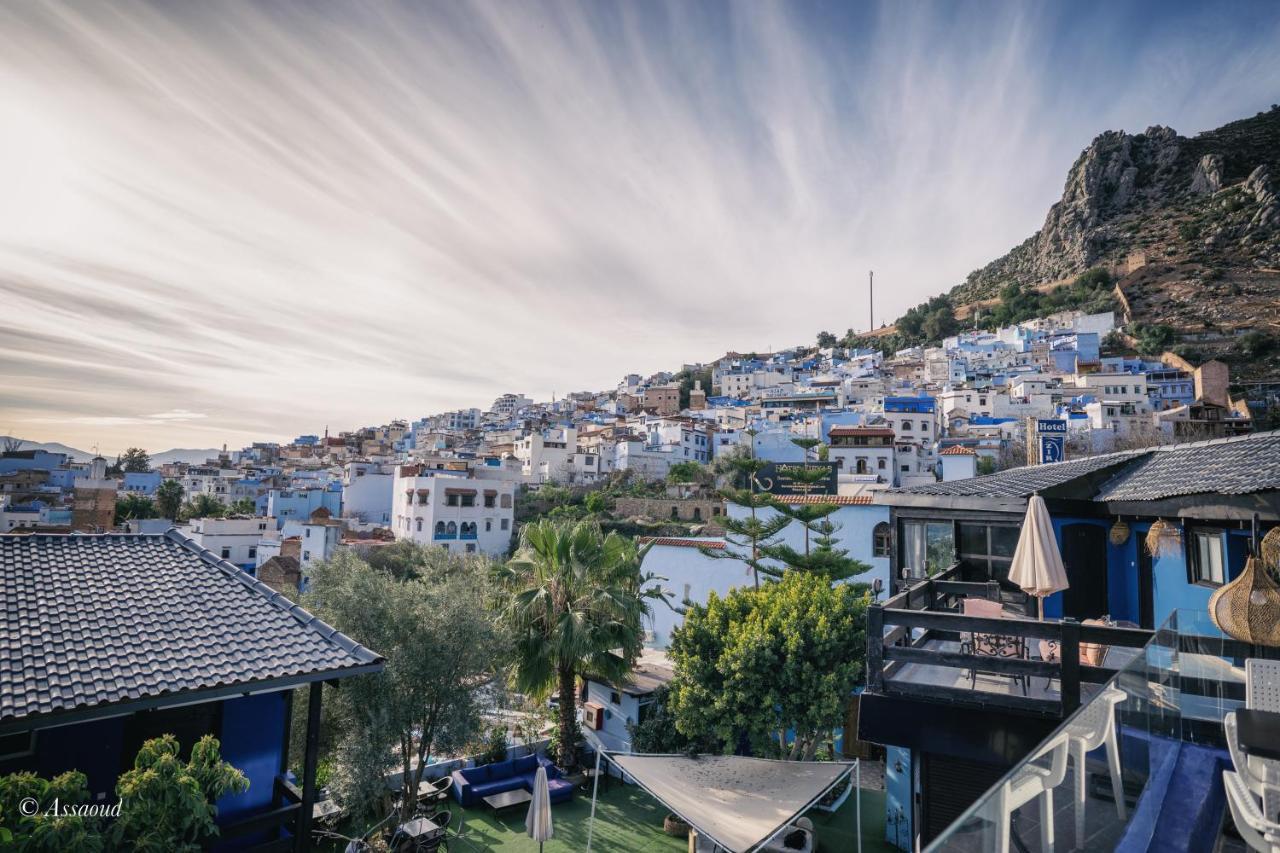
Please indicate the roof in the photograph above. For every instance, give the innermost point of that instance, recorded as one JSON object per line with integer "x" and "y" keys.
{"x": 957, "y": 450}
{"x": 1021, "y": 482}
{"x": 857, "y": 430}
{"x": 839, "y": 500}
{"x": 674, "y": 542}
{"x": 1229, "y": 466}
{"x": 653, "y": 669}
{"x": 95, "y": 623}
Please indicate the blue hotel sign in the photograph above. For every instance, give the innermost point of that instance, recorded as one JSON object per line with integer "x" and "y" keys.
{"x": 1051, "y": 436}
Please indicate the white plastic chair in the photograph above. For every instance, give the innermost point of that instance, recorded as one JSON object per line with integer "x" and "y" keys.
{"x": 1032, "y": 782}
{"x": 1258, "y": 832}
{"x": 1262, "y": 693}
{"x": 1093, "y": 727}
{"x": 1262, "y": 684}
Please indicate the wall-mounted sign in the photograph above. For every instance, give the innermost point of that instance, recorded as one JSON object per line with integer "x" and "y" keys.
{"x": 1050, "y": 439}
{"x": 798, "y": 478}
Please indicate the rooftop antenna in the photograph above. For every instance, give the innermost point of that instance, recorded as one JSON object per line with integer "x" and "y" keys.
{"x": 871, "y": 297}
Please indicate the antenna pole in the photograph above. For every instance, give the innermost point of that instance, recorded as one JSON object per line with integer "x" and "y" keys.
{"x": 871, "y": 294}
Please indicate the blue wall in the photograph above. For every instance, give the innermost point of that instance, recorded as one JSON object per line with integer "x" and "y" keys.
{"x": 898, "y": 798}
{"x": 253, "y": 742}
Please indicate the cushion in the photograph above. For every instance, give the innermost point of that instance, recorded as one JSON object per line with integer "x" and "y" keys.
{"x": 497, "y": 786}
{"x": 526, "y": 763}
{"x": 476, "y": 774}
{"x": 502, "y": 769}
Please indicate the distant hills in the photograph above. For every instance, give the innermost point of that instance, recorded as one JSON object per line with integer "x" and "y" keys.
{"x": 177, "y": 454}
{"x": 1189, "y": 229}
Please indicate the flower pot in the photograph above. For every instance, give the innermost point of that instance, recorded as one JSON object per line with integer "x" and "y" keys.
{"x": 675, "y": 827}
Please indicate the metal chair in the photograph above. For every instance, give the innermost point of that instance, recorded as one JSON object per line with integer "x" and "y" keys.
{"x": 991, "y": 645}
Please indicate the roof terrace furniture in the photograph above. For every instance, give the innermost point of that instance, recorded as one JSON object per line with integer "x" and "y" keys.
{"x": 991, "y": 645}
{"x": 474, "y": 784}
{"x": 1032, "y": 782}
{"x": 1248, "y": 733}
{"x": 1093, "y": 727}
{"x": 1259, "y": 833}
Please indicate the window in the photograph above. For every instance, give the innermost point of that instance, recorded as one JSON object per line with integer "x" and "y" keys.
{"x": 226, "y": 553}
{"x": 490, "y": 500}
{"x": 468, "y": 500}
{"x": 306, "y": 555}
{"x": 926, "y": 547}
{"x": 18, "y": 744}
{"x": 308, "y": 532}
{"x": 614, "y": 697}
{"x": 505, "y": 502}
{"x": 451, "y": 500}
{"x": 989, "y": 547}
{"x": 880, "y": 463}
{"x": 1206, "y": 565}
{"x": 451, "y": 529}
{"x": 253, "y": 553}
{"x": 506, "y": 523}
{"x": 906, "y": 426}
{"x": 471, "y": 547}
{"x": 881, "y": 540}
{"x": 419, "y": 525}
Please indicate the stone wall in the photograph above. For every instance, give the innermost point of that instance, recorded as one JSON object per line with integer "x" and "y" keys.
{"x": 666, "y": 509}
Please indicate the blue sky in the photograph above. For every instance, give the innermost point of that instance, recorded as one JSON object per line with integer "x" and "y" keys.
{"x": 226, "y": 222}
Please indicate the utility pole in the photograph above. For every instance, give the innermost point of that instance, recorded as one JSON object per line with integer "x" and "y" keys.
{"x": 871, "y": 293}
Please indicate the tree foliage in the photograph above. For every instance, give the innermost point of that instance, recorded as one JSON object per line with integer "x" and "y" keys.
{"x": 169, "y": 499}
{"x": 166, "y": 804}
{"x": 758, "y": 663}
{"x": 430, "y": 622}
{"x": 574, "y": 600}
{"x": 41, "y": 832}
{"x": 134, "y": 507}
{"x": 243, "y": 506}
{"x": 203, "y": 506}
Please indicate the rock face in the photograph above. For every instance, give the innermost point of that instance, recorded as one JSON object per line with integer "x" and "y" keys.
{"x": 1155, "y": 192}
{"x": 1207, "y": 179}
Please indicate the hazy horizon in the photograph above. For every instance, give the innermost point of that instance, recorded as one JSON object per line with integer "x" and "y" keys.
{"x": 233, "y": 222}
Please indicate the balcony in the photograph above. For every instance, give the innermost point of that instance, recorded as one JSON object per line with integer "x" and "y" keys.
{"x": 920, "y": 647}
{"x": 1153, "y": 748}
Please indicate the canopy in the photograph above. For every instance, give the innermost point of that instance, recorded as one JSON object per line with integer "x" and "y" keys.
{"x": 737, "y": 802}
{"x": 537, "y": 822}
{"x": 1037, "y": 566}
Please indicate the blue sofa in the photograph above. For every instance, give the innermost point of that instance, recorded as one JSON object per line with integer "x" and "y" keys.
{"x": 473, "y": 784}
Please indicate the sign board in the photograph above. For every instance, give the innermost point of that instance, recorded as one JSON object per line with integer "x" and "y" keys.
{"x": 1050, "y": 440}
{"x": 779, "y": 478}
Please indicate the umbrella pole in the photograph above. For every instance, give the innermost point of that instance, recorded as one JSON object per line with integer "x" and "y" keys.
{"x": 1041, "y": 600}
{"x": 595, "y": 787}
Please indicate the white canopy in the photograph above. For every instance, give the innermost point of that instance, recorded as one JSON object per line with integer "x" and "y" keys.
{"x": 1037, "y": 565}
{"x": 737, "y": 802}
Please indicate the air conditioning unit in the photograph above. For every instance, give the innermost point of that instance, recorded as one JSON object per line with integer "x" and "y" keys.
{"x": 593, "y": 716}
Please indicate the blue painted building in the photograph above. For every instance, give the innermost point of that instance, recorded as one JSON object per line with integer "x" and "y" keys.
{"x": 159, "y": 610}
{"x": 285, "y": 504}
{"x": 1215, "y": 497}
{"x": 142, "y": 483}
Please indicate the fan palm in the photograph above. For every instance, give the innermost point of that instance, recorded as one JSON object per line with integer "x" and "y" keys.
{"x": 575, "y": 600}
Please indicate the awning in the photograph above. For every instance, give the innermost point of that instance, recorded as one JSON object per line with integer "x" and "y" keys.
{"x": 737, "y": 802}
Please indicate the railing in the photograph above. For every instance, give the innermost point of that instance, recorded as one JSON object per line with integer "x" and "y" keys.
{"x": 902, "y": 630}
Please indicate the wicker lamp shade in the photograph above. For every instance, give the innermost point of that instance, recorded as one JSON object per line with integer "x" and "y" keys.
{"x": 1248, "y": 608}
{"x": 1271, "y": 550}
{"x": 1119, "y": 532}
{"x": 1164, "y": 539}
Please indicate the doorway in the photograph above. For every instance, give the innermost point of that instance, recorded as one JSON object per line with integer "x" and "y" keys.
{"x": 1146, "y": 589}
{"x": 1084, "y": 553}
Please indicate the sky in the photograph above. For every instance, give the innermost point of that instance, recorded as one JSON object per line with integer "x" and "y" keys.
{"x": 226, "y": 222}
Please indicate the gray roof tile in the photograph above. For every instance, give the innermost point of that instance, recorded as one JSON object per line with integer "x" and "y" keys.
{"x": 1226, "y": 466}
{"x": 97, "y": 620}
{"x": 1022, "y": 482}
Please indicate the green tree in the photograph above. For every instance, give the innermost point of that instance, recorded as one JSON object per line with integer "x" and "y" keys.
{"x": 826, "y": 340}
{"x": 758, "y": 663}
{"x": 574, "y": 599}
{"x": 203, "y": 506}
{"x": 134, "y": 461}
{"x": 440, "y": 643}
{"x": 47, "y": 832}
{"x": 688, "y": 472}
{"x": 824, "y": 559}
{"x": 749, "y": 535}
{"x": 169, "y": 499}
{"x": 244, "y": 506}
{"x": 166, "y": 804}
{"x": 133, "y": 507}
{"x": 986, "y": 465}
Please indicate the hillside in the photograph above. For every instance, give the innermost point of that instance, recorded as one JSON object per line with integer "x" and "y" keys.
{"x": 1188, "y": 228}
{"x": 177, "y": 454}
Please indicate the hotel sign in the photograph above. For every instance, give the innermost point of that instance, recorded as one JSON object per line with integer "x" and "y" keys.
{"x": 781, "y": 478}
{"x": 1050, "y": 440}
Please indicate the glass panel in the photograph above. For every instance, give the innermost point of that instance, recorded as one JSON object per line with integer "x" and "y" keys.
{"x": 913, "y": 551}
{"x": 941, "y": 540}
{"x": 1004, "y": 540}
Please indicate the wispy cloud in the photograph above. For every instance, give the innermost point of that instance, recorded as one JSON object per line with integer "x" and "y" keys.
{"x": 287, "y": 215}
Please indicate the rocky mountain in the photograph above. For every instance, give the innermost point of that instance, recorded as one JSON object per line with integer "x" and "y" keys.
{"x": 1188, "y": 227}
{"x": 177, "y": 454}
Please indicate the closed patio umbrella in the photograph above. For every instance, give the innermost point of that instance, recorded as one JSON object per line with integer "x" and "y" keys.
{"x": 538, "y": 822}
{"x": 1037, "y": 565}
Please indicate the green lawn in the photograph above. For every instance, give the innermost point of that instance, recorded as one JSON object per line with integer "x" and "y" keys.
{"x": 629, "y": 820}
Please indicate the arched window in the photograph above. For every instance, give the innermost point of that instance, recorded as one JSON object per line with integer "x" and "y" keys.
{"x": 419, "y": 525}
{"x": 451, "y": 528}
{"x": 881, "y": 540}
{"x": 439, "y": 528}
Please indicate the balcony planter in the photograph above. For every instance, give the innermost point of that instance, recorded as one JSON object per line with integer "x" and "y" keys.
{"x": 675, "y": 827}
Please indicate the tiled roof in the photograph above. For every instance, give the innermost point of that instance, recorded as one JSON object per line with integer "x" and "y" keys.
{"x": 839, "y": 500}
{"x": 674, "y": 542}
{"x": 854, "y": 430}
{"x": 92, "y": 621}
{"x": 1227, "y": 466}
{"x": 957, "y": 450}
{"x": 1022, "y": 482}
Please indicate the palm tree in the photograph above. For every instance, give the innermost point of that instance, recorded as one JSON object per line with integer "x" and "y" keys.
{"x": 169, "y": 498}
{"x": 575, "y": 600}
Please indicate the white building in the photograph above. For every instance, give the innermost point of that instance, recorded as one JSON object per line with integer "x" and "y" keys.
{"x": 366, "y": 491}
{"x": 234, "y": 539}
{"x": 547, "y": 455}
{"x": 453, "y": 509}
{"x": 608, "y": 709}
